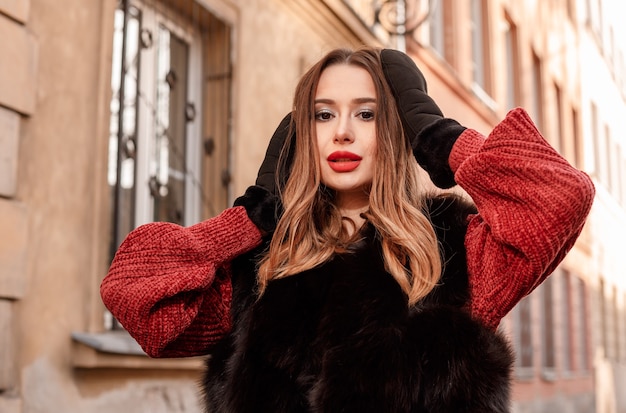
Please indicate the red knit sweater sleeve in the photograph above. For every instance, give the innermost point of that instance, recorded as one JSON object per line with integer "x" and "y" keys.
{"x": 532, "y": 206}
{"x": 169, "y": 286}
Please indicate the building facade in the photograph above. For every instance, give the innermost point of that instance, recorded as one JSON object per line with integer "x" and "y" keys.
{"x": 603, "y": 97}
{"x": 116, "y": 113}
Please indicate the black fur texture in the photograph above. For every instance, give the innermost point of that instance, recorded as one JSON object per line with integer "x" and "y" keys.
{"x": 432, "y": 148}
{"x": 341, "y": 338}
{"x": 262, "y": 207}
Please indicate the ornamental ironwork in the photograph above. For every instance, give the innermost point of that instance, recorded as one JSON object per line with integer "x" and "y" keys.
{"x": 394, "y": 17}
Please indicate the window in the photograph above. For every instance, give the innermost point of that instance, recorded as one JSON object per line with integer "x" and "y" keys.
{"x": 616, "y": 170}
{"x": 123, "y": 123}
{"x": 512, "y": 64}
{"x": 437, "y": 27}
{"x": 604, "y": 323}
{"x": 567, "y": 309}
{"x": 168, "y": 140}
{"x": 597, "y": 143}
{"x": 616, "y": 325}
{"x": 481, "y": 72}
{"x": 607, "y": 165}
{"x": 584, "y": 362}
{"x": 523, "y": 338}
{"x": 150, "y": 171}
{"x": 594, "y": 18}
{"x": 537, "y": 96}
{"x": 611, "y": 53}
{"x": 571, "y": 10}
{"x": 558, "y": 107}
{"x": 578, "y": 160}
{"x": 548, "y": 355}
{"x": 442, "y": 29}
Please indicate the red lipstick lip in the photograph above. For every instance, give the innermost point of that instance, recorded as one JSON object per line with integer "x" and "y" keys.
{"x": 343, "y": 161}
{"x": 343, "y": 156}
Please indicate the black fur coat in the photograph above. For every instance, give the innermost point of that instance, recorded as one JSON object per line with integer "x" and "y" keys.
{"x": 340, "y": 338}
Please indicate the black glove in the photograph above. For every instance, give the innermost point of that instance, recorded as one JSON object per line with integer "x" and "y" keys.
{"x": 262, "y": 200}
{"x": 431, "y": 135}
{"x": 263, "y": 208}
{"x": 270, "y": 172}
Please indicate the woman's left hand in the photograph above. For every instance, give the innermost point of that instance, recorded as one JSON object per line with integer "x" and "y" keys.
{"x": 430, "y": 133}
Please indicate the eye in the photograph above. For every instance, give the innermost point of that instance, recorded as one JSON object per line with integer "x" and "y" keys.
{"x": 323, "y": 115}
{"x": 366, "y": 114}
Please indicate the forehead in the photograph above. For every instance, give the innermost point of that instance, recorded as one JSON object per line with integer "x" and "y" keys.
{"x": 345, "y": 81}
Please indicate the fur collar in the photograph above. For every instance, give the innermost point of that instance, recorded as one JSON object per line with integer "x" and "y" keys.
{"x": 340, "y": 338}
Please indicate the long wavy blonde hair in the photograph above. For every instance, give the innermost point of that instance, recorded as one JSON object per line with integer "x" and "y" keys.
{"x": 311, "y": 229}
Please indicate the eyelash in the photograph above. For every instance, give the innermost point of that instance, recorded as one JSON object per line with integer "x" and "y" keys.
{"x": 370, "y": 113}
{"x": 319, "y": 114}
{"x": 367, "y": 112}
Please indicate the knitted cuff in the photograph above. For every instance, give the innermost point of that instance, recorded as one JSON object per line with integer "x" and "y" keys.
{"x": 263, "y": 208}
{"x": 432, "y": 148}
{"x": 469, "y": 144}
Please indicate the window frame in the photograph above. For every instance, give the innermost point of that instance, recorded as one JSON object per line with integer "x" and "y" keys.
{"x": 156, "y": 18}
{"x": 146, "y": 128}
{"x": 480, "y": 56}
{"x": 548, "y": 337}
{"x": 93, "y": 346}
{"x": 523, "y": 336}
{"x": 511, "y": 40}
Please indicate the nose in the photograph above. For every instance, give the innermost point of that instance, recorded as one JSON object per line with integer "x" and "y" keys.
{"x": 344, "y": 132}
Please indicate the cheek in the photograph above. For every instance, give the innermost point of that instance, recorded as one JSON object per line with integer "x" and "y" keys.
{"x": 319, "y": 141}
{"x": 373, "y": 147}
{"x": 318, "y": 148}
{"x": 373, "y": 136}
{"x": 319, "y": 161}
{"x": 373, "y": 144}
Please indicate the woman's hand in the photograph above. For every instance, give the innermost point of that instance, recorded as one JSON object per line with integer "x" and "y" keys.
{"x": 430, "y": 133}
{"x": 262, "y": 200}
{"x": 271, "y": 173}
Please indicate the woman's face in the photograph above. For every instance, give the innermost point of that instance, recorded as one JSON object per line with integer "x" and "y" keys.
{"x": 345, "y": 111}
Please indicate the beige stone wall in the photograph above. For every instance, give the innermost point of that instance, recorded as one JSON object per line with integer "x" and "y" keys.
{"x": 17, "y": 96}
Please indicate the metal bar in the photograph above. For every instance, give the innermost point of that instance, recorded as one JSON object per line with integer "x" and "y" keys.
{"x": 120, "y": 132}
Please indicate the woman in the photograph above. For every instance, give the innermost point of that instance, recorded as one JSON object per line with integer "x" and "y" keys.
{"x": 365, "y": 294}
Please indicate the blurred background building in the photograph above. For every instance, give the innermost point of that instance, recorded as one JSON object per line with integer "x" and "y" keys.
{"x": 118, "y": 112}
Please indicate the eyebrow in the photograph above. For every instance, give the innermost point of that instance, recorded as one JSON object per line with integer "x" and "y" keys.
{"x": 357, "y": 100}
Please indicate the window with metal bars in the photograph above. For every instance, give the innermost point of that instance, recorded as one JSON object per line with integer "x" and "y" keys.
{"x": 169, "y": 116}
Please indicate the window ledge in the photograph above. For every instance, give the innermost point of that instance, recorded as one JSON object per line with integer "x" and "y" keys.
{"x": 117, "y": 349}
{"x": 525, "y": 374}
{"x": 549, "y": 374}
{"x": 484, "y": 97}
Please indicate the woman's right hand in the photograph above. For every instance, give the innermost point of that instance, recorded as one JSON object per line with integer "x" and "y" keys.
{"x": 262, "y": 200}
{"x": 271, "y": 173}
